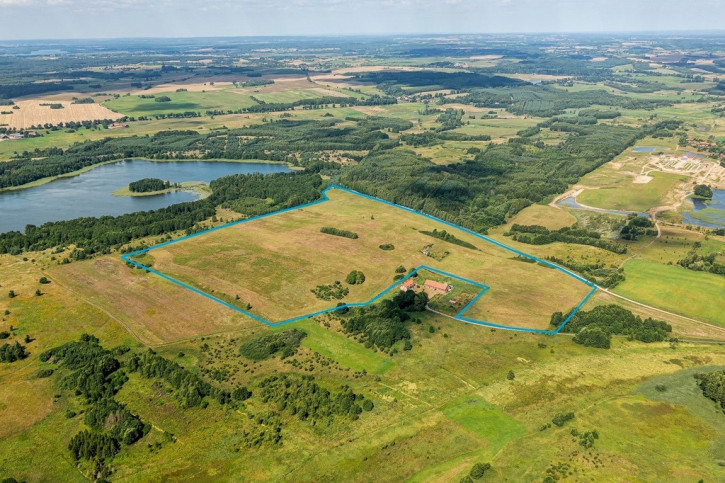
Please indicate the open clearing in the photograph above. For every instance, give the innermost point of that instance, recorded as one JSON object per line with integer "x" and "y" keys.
{"x": 695, "y": 294}
{"x": 269, "y": 266}
{"x": 143, "y": 303}
{"x": 31, "y": 113}
{"x": 630, "y": 195}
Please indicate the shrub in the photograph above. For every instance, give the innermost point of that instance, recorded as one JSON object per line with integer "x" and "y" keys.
{"x": 43, "y": 373}
{"x": 478, "y": 470}
{"x": 561, "y": 418}
{"x": 355, "y": 278}
{"x": 285, "y": 343}
{"x": 337, "y": 232}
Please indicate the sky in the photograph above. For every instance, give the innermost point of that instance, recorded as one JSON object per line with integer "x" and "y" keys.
{"x": 77, "y": 19}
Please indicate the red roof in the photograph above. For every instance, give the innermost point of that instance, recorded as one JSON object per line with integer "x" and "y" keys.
{"x": 410, "y": 283}
{"x": 436, "y": 285}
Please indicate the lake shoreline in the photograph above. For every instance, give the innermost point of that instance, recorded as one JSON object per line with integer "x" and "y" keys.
{"x": 104, "y": 190}
{"x": 49, "y": 179}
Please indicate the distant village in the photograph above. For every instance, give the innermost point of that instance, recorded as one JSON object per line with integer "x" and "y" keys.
{"x": 17, "y": 135}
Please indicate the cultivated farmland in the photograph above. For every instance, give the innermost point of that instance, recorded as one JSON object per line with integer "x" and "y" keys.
{"x": 33, "y": 113}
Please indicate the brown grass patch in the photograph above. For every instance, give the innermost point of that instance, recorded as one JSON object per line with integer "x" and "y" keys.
{"x": 31, "y": 113}
{"x": 273, "y": 263}
{"x": 153, "y": 309}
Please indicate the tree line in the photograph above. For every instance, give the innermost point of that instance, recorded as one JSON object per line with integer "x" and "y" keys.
{"x": 596, "y": 327}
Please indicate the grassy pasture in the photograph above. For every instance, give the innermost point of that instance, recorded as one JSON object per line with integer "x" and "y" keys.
{"x": 544, "y": 215}
{"x": 148, "y": 307}
{"x": 440, "y": 407}
{"x": 695, "y": 294}
{"x": 339, "y": 348}
{"x": 134, "y": 105}
{"x": 274, "y": 263}
{"x": 624, "y": 194}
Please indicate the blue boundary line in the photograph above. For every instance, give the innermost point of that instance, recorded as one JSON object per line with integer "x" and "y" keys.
{"x": 459, "y": 316}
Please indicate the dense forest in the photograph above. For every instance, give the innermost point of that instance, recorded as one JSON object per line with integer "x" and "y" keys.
{"x": 497, "y": 183}
{"x": 547, "y": 101}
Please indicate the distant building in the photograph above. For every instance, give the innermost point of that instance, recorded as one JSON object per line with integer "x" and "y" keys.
{"x": 117, "y": 126}
{"x": 408, "y": 285}
{"x": 437, "y": 287}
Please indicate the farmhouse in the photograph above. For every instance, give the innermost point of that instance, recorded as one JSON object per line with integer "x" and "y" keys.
{"x": 408, "y": 285}
{"x": 437, "y": 287}
{"x": 117, "y": 126}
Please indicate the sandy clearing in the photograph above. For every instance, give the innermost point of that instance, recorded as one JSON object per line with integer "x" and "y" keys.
{"x": 642, "y": 179}
{"x": 31, "y": 113}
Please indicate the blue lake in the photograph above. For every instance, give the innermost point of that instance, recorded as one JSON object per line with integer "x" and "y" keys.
{"x": 89, "y": 194}
{"x": 717, "y": 220}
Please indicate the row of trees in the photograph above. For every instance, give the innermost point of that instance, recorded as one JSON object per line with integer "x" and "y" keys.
{"x": 713, "y": 386}
{"x": 540, "y": 235}
{"x": 595, "y": 327}
{"x": 12, "y": 352}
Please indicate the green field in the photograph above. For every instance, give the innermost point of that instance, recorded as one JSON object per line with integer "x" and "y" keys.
{"x": 339, "y": 348}
{"x": 625, "y": 195}
{"x": 213, "y": 99}
{"x": 486, "y": 420}
{"x": 695, "y": 294}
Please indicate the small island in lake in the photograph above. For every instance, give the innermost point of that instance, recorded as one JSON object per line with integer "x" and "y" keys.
{"x": 155, "y": 186}
{"x": 703, "y": 192}
{"x": 148, "y": 185}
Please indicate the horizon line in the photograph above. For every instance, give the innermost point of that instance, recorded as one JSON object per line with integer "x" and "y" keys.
{"x": 702, "y": 32}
